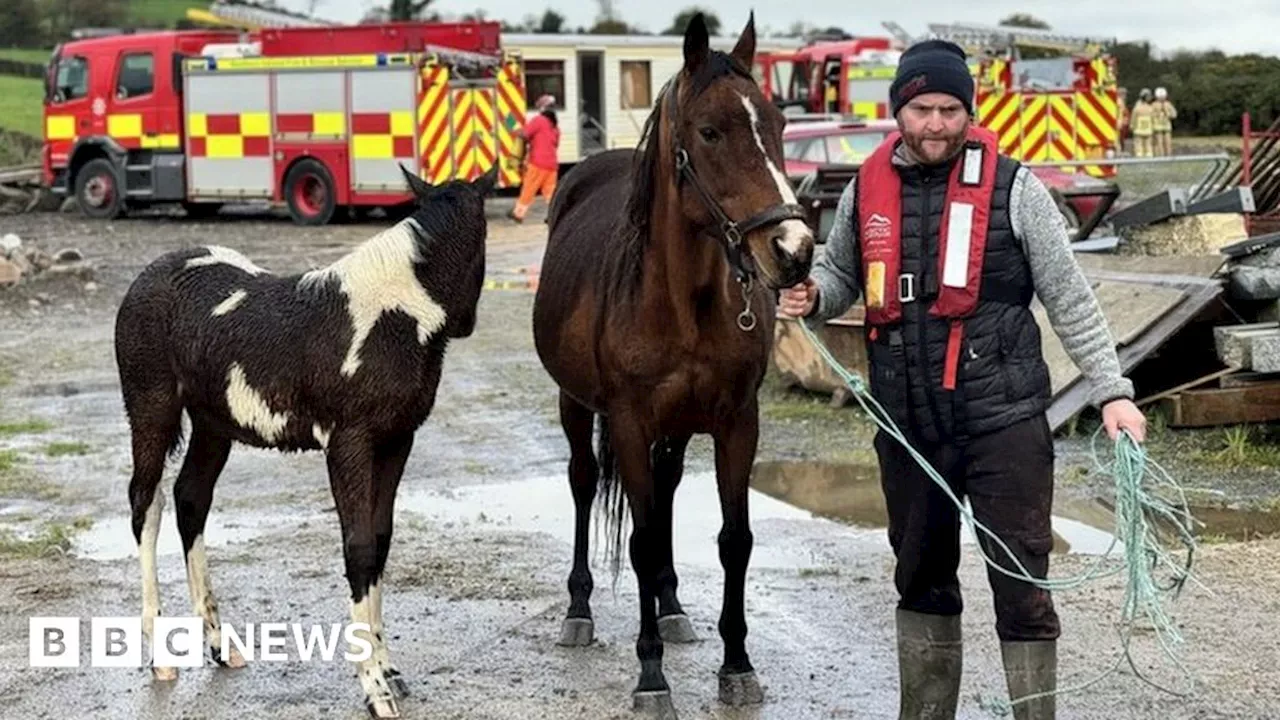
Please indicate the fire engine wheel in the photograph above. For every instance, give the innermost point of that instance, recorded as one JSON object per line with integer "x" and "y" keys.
{"x": 309, "y": 189}
{"x": 98, "y": 191}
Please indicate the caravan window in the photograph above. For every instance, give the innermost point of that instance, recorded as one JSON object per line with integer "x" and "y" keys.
{"x": 636, "y": 89}
{"x": 544, "y": 77}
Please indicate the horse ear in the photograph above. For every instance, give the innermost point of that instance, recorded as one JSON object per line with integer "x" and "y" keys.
{"x": 420, "y": 188}
{"x": 745, "y": 50}
{"x": 697, "y": 43}
{"x": 488, "y": 181}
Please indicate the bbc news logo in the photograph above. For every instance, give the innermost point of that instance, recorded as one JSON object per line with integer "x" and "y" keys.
{"x": 180, "y": 642}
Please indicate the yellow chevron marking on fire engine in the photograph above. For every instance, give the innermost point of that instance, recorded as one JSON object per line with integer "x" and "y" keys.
{"x": 60, "y": 127}
{"x": 866, "y": 109}
{"x": 511, "y": 104}
{"x": 124, "y": 126}
{"x": 328, "y": 123}
{"x": 484, "y": 138}
{"x": 197, "y": 125}
{"x": 464, "y": 128}
{"x": 1034, "y": 127}
{"x": 255, "y": 124}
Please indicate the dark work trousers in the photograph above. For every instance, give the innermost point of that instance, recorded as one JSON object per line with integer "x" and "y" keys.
{"x": 1007, "y": 476}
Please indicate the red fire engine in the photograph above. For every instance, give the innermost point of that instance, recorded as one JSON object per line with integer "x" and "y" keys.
{"x": 313, "y": 118}
{"x": 844, "y": 77}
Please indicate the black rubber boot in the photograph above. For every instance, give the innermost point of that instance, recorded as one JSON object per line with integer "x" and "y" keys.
{"x": 1031, "y": 667}
{"x": 930, "y": 659}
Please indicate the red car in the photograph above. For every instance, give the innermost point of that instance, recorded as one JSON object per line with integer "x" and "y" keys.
{"x": 806, "y": 146}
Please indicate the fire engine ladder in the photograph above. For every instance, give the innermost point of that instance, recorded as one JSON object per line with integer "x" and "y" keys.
{"x": 250, "y": 16}
{"x": 977, "y": 38}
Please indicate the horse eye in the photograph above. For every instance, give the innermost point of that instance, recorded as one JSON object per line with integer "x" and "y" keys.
{"x": 709, "y": 134}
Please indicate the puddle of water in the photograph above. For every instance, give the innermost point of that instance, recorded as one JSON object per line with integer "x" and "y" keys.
{"x": 851, "y": 494}
{"x": 544, "y": 504}
{"x": 112, "y": 538}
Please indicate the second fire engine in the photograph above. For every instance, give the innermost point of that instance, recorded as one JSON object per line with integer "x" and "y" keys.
{"x": 312, "y": 118}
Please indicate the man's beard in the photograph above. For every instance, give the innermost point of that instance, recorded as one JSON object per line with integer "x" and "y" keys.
{"x": 929, "y": 154}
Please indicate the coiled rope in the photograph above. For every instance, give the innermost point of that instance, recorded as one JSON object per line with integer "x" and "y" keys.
{"x": 1138, "y": 504}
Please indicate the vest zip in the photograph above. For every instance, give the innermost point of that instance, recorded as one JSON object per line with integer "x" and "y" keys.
{"x": 926, "y": 370}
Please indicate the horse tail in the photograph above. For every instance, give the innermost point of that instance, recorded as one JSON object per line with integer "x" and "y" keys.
{"x": 610, "y": 496}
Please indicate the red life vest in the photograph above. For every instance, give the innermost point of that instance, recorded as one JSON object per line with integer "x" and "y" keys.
{"x": 961, "y": 243}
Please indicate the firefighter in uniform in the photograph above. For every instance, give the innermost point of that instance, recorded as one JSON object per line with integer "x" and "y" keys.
{"x": 947, "y": 241}
{"x": 1163, "y": 114}
{"x": 1142, "y": 120}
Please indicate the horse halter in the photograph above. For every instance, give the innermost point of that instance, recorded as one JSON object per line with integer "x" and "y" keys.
{"x": 731, "y": 233}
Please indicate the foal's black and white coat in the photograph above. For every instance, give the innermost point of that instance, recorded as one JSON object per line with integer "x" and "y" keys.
{"x": 344, "y": 359}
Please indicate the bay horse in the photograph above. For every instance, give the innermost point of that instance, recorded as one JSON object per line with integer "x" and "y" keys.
{"x": 345, "y": 359}
{"x": 654, "y": 314}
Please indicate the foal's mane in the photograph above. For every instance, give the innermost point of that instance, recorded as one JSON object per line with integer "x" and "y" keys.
{"x": 633, "y": 226}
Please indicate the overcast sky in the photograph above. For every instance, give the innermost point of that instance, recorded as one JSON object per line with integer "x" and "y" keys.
{"x": 1235, "y": 26}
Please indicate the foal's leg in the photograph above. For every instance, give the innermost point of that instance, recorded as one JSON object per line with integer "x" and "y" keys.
{"x": 576, "y": 419}
{"x": 155, "y": 419}
{"x": 736, "y": 441}
{"x": 652, "y": 694}
{"x": 192, "y": 496}
{"x": 388, "y": 468}
{"x": 668, "y": 468}
{"x": 351, "y": 478}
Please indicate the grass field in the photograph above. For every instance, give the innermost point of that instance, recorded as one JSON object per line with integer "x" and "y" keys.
{"x": 21, "y": 105}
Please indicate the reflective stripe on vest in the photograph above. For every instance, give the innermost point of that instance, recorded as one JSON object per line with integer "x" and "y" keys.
{"x": 962, "y": 236}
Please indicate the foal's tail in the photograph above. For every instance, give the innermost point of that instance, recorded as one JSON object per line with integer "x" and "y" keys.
{"x": 610, "y": 496}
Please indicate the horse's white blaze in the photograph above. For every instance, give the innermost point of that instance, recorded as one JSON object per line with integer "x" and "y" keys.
{"x": 250, "y": 409}
{"x": 231, "y": 303}
{"x": 378, "y": 278}
{"x": 219, "y": 255}
{"x": 372, "y": 677}
{"x": 795, "y": 232}
{"x": 322, "y": 435}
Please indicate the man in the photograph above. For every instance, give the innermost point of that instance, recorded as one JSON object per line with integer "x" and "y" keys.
{"x": 1143, "y": 122}
{"x": 1162, "y": 116}
{"x": 955, "y": 360}
{"x": 542, "y": 163}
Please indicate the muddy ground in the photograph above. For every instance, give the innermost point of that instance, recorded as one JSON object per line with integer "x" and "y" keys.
{"x": 476, "y": 586}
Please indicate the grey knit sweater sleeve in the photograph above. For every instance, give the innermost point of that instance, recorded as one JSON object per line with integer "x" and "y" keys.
{"x": 1061, "y": 287}
{"x": 837, "y": 271}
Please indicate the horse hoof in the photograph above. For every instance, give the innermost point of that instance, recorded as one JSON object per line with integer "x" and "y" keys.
{"x": 233, "y": 660}
{"x": 382, "y": 708}
{"x": 654, "y": 704}
{"x": 737, "y": 689}
{"x": 676, "y": 629}
{"x": 399, "y": 687}
{"x": 164, "y": 674}
{"x": 577, "y": 632}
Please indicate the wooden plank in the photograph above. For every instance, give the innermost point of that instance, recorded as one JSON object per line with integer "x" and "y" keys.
{"x": 1216, "y": 375}
{"x": 1192, "y": 265}
{"x": 1230, "y": 406}
{"x": 1076, "y": 397}
{"x": 1130, "y": 308}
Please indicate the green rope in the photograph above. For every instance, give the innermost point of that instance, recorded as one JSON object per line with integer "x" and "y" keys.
{"x": 1138, "y": 480}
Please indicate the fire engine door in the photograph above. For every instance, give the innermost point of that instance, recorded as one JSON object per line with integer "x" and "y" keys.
{"x": 475, "y": 144}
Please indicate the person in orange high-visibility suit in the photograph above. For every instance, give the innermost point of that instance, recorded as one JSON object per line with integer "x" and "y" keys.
{"x": 542, "y": 165}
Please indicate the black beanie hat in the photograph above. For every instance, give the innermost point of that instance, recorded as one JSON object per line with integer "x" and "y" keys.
{"x": 932, "y": 66}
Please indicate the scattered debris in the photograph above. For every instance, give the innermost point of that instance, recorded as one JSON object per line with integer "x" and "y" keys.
{"x": 20, "y": 264}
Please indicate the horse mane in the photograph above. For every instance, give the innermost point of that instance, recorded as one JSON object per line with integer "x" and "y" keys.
{"x": 633, "y": 227}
